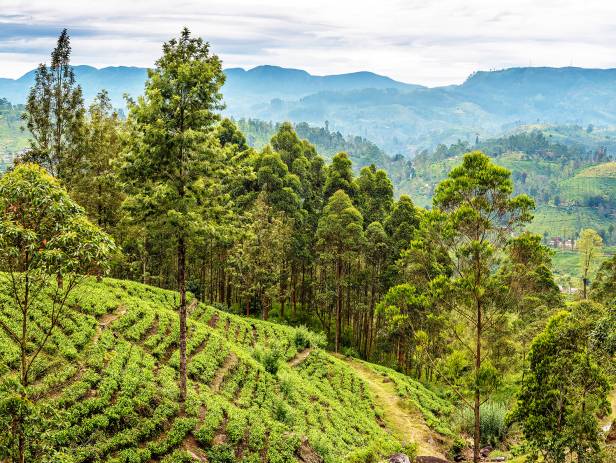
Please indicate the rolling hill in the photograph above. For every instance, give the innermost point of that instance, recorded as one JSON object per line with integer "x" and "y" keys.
{"x": 257, "y": 391}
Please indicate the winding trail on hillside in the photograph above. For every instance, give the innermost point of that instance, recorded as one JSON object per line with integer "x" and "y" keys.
{"x": 299, "y": 357}
{"x": 219, "y": 377}
{"x": 407, "y": 425}
{"x": 106, "y": 320}
{"x": 611, "y": 418}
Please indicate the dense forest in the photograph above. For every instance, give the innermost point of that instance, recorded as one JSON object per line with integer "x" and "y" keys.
{"x": 362, "y": 152}
{"x": 454, "y": 306}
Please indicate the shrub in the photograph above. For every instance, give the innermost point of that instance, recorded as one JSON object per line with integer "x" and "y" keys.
{"x": 457, "y": 447}
{"x": 375, "y": 452}
{"x": 269, "y": 358}
{"x": 222, "y": 453}
{"x": 350, "y": 352}
{"x": 282, "y": 412}
{"x": 410, "y": 450}
{"x": 304, "y": 338}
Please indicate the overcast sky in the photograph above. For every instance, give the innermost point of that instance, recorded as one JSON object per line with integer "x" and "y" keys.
{"x": 430, "y": 42}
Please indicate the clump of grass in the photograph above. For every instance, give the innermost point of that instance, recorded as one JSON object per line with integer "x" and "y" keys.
{"x": 493, "y": 425}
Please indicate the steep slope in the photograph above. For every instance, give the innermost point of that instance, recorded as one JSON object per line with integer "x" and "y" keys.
{"x": 107, "y": 382}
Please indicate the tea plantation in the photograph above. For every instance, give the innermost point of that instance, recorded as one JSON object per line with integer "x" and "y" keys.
{"x": 108, "y": 384}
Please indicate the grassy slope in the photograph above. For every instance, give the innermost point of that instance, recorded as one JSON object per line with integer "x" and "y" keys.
{"x": 564, "y": 221}
{"x": 110, "y": 373}
{"x": 599, "y": 180}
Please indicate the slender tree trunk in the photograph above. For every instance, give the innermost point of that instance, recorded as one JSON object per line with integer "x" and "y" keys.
{"x": 282, "y": 290}
{"x": 212, "y": 282}
{"x": 477, "y": 405}
{"x": 338, "y": 301}
{"x": 144, "y": 262}
{"x": 303, "y": 288}
{"x": 182, "y": 290}
{"x": 294, "y": 290}
{"x": 349, "y": 272}
{"x": 24, "y": 368}
{"x": 203, "y": 265}
{"x": 229, "y": 291}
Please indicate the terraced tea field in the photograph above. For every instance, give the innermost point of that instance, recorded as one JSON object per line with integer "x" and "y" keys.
{"x": 108, "y": 383}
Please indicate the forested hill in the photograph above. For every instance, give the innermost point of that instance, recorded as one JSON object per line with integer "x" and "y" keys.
{"x": 400, "y": 118}
{"x": 242, "y": 87}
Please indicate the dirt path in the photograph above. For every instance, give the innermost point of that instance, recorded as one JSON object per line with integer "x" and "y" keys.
{"x": 192, "y": 306}
{"x": 405, "y": 424}
{"x": 107, "y": 320}
{"x": 193, "y": 449}
{"x": 607, "y": 422}
{"x": 299, "y": 357}
{"x": 229, "y": 363}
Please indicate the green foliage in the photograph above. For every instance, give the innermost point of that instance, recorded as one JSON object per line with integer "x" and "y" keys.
{"x": 96, "y": 188}
{"x": 480, "y": 215}
{"x": 270, "y": 358}
{"x": 54, "y": 114}
{"x": 375, "y": 194}
{"x": 305, "y": 339}
{"x": 340, "y": 177}
{"x": 457, "y": 447}
{"x": 12, "y": 137}
{"x": 604, "y": 286}
{"x": 589, "y": 245}
{"x": 375, "y": 452}
{"x": 328, "y": 143}
{"x": 170, "y": 150}
{"x": 222, "y": 453}
{"x": 339, "y": 236}
{"x": 563, "y": 391}
{"x": 46, "y": 246}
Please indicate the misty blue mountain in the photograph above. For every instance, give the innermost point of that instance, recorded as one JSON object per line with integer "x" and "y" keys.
{"x": 399, "y": 117}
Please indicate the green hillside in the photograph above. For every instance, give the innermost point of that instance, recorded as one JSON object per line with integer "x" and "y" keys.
{"x": 596, "y": 183}
{"x": 571, "y": 190}
{"x": 108, "y": 383}
{"x": 567, "y": 220}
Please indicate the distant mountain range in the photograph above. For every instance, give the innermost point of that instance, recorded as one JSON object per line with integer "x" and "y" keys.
{"x": 400, "y": 117}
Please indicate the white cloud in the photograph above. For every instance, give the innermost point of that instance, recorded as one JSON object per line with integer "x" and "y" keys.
{"x": 433, "y": 42}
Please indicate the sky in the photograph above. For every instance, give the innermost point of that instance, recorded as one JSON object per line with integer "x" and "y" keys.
{"x": 429, "y": 42}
